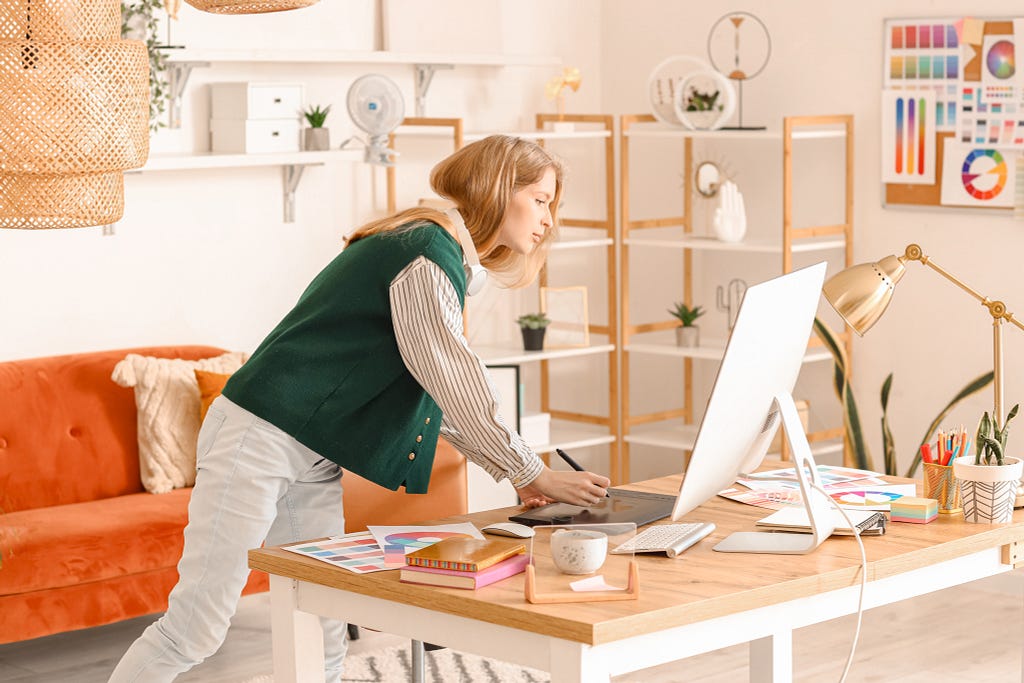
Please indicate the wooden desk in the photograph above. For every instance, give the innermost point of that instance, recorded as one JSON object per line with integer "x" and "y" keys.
{"x": 699, "y": 602}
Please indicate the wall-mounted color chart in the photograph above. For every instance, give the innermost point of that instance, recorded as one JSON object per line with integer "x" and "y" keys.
{"x": 991, "y": 102}
{"x": 908, "y": 136}
{"x": 924, "y": 54}
{"x": 977, "y": 176}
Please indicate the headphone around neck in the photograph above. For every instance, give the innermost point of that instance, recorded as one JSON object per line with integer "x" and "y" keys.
{"x": 476, "y": 275}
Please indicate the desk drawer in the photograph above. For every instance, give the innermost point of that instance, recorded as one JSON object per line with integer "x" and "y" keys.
{"x": 255, "y": 100}
{"x": 254, "y": 136}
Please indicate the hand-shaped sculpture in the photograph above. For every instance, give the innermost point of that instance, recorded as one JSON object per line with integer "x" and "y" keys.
{"x": 730, "y": 216}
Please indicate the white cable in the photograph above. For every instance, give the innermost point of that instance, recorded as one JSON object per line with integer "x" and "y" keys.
{"x": 863, "y": 578}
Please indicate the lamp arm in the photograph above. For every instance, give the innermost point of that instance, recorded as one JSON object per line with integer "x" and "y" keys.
{"x": 996, "y": 308}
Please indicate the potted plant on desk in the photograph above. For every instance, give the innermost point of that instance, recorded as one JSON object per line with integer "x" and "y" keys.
{"x": 688, "y": 335}
{"x": 988, "y": 485}
{"x": 316, "y": 138}
{"x": 533, "y": 326}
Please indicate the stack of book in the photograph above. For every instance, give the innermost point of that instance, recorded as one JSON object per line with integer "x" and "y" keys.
{"x": 465, "y": 562}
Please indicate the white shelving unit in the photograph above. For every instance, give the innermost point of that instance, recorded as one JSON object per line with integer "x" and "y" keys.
{"x": 675, "y": 428}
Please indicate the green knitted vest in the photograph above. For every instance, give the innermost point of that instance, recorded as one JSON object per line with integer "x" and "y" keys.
{"x": 330, "y": 373}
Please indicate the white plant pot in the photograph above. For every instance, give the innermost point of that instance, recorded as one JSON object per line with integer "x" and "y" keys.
{"x": 688, "y": 336}
{"x": 988, "y": 491}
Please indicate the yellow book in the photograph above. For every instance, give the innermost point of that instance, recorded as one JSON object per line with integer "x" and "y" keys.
{"x": 464, "y": 554}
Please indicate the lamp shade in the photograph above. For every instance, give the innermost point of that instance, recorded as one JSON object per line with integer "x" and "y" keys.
{"x": 74, "y": 112}
{"x": 248, "y": 6}
{"x": 861, "y": 293}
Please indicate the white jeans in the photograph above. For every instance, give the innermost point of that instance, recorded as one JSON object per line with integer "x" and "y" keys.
{"x": 253, "y": 482}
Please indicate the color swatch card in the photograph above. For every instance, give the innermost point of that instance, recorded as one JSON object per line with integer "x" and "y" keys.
{"x": 991, "y": 99}
{"x": 356, "y": 552}
{"x": 924, "y": 55}
{"x": 397, "y": 541}
{"x": 908, "y": 137}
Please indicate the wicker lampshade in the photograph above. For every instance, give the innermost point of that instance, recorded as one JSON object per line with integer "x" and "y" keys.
{"x": 249, "y": 6}
{"x": 74, "y": 112}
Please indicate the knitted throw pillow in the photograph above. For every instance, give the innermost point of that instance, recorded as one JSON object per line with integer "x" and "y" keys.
{"x": 167, "y": 400}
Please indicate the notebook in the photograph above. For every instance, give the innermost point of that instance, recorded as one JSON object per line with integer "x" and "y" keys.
{"x": 621, "y": 506}
{"x": 869, "y": 522}
{"x": 465, "y": 554}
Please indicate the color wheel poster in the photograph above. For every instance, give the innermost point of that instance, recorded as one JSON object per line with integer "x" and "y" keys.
{"x": 398, "y": 541}
{"x": 908, "y": 136}
{"x": 977, "y": 176}
{"x": 991, "y": 110}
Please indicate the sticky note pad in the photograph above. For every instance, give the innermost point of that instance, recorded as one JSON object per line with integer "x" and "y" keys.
{"x": 913, "y": 510}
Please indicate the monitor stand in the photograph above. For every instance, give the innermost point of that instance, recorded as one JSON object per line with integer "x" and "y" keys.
{"x": 816, "y": 503}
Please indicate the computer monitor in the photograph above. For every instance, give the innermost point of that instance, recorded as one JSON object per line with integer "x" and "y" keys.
{"x": 751, "y": 396}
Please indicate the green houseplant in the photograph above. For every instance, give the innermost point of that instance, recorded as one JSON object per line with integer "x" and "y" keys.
{"x": 316, "y": 137}
{"x": 533, "y": 326}
{"x": 989, "y": 484}
{"x": 687, "y": 335}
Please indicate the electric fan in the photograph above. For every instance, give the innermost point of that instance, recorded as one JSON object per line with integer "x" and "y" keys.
{"x": 376, "y": 106}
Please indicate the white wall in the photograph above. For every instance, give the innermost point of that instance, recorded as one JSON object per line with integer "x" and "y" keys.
{"x": 827, "y": 58}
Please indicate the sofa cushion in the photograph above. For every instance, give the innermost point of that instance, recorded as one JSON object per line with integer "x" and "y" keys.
{"x": 167, "y": 400}
{"x": 67, "y": 432}
{"x": 64, "y": 545}
{"x": 211, "y": 384}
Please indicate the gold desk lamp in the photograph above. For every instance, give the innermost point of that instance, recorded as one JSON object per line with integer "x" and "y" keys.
{"x": 860, "y": 294}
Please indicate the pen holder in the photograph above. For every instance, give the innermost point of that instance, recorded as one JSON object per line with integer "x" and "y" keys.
{"x": 943, "y": 486}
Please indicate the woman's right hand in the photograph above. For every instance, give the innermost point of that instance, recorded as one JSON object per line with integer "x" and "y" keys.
{"x": 577, "y": 488}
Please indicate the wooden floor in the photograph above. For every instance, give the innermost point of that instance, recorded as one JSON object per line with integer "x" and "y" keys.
{"x": 971, "y": 634}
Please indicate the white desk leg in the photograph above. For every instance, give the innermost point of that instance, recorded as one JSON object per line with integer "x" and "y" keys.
{"x": 771, "y": 658}
{"x": 298, "y": 639}
{"x": 419, "y": 664}
{"x": 575, "y": 663}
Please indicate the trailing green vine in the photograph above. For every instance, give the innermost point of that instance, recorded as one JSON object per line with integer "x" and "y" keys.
{"x": 141, "y": 14}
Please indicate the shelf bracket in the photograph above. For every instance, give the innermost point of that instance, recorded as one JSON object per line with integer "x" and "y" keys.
{"x": 177, "y": 78}
{"x": 291, "y": 174}
{"x": 424, "y": 75}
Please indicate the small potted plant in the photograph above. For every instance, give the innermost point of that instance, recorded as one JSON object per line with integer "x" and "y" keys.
{"x": 316, "y": 137}
{"x": 702, "y": 108}
{"x": 688, "y": 335}
{"x": 988, "y": 485}
{"x": 533, "y": 326}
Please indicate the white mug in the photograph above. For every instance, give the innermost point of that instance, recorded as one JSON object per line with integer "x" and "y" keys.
{"x": 578, "y": 551}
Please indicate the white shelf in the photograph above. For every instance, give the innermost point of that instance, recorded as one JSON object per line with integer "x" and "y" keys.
{"x": 511, "y": 355}
{"x": 753, "y": 246}
{"x": 683, "y": 437}
{"x": 712, "y": 349}
{"x": 653, "y": 131}
{"x": 570, "y": 435}
{"x": 441, "y": 132}
{"x": 580, "y": 244}
{"x": 182, "y": 162}
{"x": 353, "y": 57}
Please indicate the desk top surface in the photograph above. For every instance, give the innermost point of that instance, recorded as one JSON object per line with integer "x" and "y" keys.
{"x": 700, "y": 584}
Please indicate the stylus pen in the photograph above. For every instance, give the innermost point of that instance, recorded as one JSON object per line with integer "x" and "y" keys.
{"x": 572, "y": 463}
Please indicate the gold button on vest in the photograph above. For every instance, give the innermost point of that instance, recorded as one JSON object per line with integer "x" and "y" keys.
{"x": 412, "y": 456}
{"x": 427, "y": 421}
{"x": 419, "y": 438}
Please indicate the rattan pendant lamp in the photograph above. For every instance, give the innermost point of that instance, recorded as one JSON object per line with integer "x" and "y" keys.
{"x": 249, "y": 6}
{"x": 74, "y": 112}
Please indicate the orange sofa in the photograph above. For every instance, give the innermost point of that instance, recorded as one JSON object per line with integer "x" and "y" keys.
{"x": 81, "y": 543}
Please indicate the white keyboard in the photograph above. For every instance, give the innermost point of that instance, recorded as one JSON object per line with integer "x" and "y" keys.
{"x": 670, "y": 539}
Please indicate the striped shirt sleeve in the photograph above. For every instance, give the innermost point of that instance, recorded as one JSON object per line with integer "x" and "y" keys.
{"x": 427, "y": 318}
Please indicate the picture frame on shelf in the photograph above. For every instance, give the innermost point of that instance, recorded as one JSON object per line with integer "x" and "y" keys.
{"x": 568, "y": 311}
{"x": 506, "y": 381}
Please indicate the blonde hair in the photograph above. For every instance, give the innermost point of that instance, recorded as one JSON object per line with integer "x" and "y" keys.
{"x": 480, "y": 180}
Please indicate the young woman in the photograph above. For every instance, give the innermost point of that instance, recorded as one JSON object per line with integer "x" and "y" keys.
{"x": 365, "y": 373}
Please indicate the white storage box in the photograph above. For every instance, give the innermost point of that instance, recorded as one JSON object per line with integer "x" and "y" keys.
{"x": 535, "y": 428}
{"x": 255, "y": 100}
{"x": 254, "y": 136}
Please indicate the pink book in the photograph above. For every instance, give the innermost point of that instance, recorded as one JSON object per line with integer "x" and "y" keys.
{"x": 455, "y": 579}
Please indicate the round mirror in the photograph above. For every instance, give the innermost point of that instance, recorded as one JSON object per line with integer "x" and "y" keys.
{"x": 707, "y": 178}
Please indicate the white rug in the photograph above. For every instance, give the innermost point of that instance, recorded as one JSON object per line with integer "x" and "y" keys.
{"x": 394, "y": 665}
